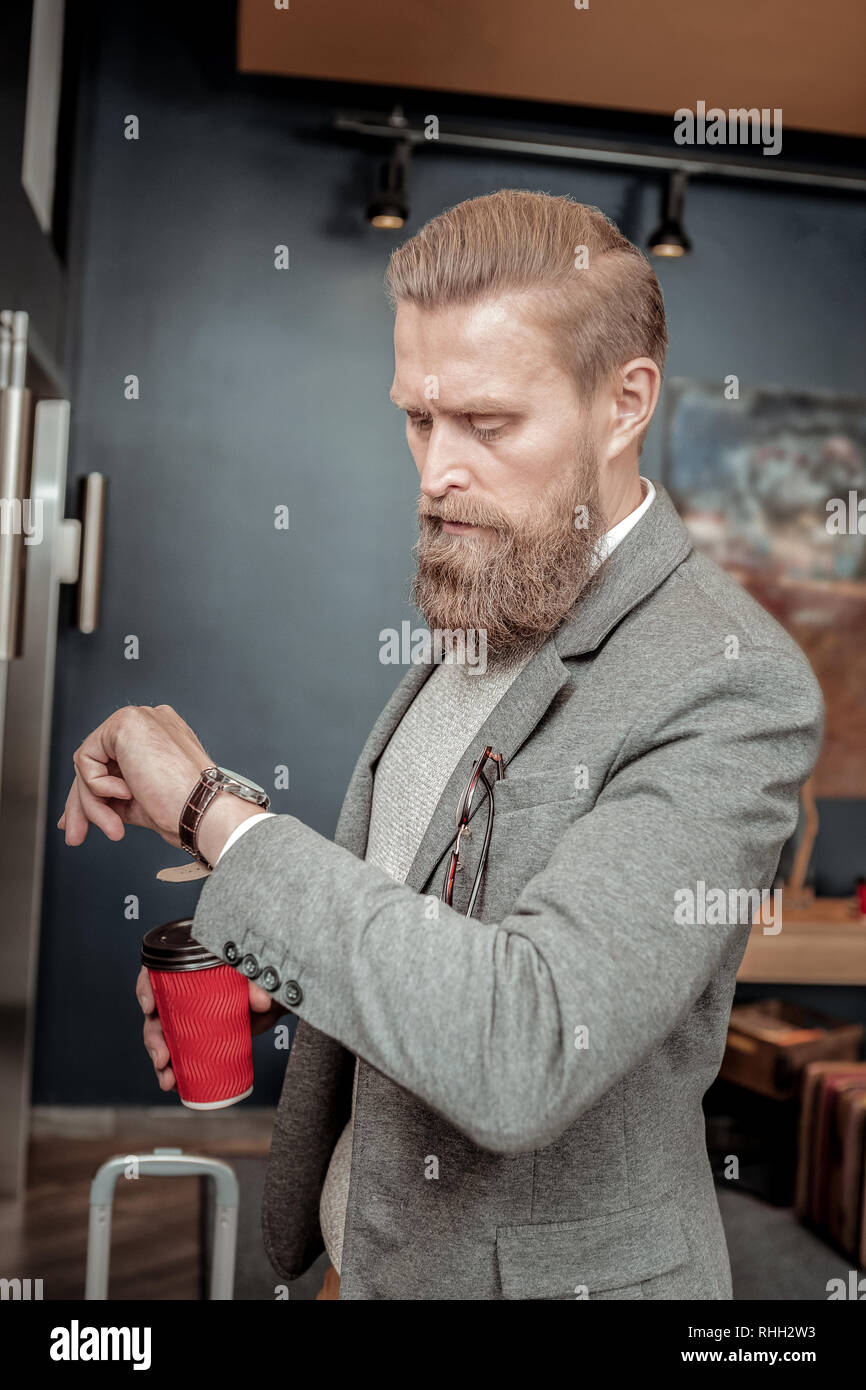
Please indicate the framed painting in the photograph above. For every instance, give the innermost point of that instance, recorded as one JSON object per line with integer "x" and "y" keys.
{"x": 772, "y": 486}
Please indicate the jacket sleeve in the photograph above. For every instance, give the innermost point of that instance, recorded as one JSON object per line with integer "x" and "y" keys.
{"x": 478, "y": 1020}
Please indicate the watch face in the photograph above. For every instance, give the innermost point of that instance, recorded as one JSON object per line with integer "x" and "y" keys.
{"x": 244, "y": 781}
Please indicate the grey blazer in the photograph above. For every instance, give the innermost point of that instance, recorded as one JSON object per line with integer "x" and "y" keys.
{"x": 528, "y": 1118}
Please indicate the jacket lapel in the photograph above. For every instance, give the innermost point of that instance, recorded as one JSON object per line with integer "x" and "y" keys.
{"x": 641, "y": 562}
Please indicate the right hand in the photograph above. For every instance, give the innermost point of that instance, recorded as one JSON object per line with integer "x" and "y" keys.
{"x": 265, "y": 1012}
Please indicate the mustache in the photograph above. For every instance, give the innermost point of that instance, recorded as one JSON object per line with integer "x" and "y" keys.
{"x": 470, "y": 512}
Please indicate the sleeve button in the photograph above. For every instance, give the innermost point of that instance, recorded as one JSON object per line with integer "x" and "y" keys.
{"x": 293, "y": 994}
{"x": 250, "y": 967}
{"x": 270, "y": 979}
{"x": 231, "y": 952}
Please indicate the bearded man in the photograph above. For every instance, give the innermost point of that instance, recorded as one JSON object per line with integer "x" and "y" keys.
{"x": 505, "y": 1024}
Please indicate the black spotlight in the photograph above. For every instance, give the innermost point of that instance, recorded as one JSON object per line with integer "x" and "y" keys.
{"x": 390, "y": 206}
{"x": 670, "y": 239}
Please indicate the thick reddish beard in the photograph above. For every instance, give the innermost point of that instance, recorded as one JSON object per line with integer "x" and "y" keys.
{"x": 518, "y": 580}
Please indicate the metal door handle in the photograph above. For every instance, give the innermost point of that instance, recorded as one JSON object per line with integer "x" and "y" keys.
{"x": 15, "y": 424}
{"x": 92, "y": 508}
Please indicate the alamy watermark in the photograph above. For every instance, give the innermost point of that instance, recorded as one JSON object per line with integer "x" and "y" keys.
{"x": 737, "y": 126}
{"x": 419, "y": 646}
{"x": 17, "y": 517}
{"x": 846, "y": 518}
{"x": 21, "y": 1290}
{"x": 77, "y": 1343}
{"x": 716, "y": 907}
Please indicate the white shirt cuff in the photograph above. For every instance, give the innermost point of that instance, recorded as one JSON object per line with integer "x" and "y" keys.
{"x": 242, "y": 829}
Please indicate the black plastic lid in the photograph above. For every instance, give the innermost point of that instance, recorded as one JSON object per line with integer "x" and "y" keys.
{"x": 172, "y": 947}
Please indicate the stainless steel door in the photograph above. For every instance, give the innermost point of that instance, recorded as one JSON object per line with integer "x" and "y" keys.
{"x": 39, "y": 550}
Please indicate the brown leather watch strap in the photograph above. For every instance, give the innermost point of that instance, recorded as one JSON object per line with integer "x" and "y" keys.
{"x": 197, "y": 803}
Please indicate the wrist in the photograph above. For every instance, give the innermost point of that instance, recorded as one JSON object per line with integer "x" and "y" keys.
{"x": 225, "y": 813}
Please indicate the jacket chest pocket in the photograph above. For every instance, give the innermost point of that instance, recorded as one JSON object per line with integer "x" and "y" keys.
{"x": 607, "y": 1257}
{"x": 522, "y": 793}
{"x": 531, "y": 815}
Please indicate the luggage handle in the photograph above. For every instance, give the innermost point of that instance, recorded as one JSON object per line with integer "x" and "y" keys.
{"x": 164, "y": 1163}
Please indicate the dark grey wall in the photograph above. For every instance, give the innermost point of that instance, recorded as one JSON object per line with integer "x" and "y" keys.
{"x": 261, "y": 387}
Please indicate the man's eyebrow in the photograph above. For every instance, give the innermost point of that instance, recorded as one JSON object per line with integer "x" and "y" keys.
{"x": 481, "y": 405}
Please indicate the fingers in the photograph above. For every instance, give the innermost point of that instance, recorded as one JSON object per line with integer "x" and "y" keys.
{"x": 154, "y": 1042}
{"x": 154, "y": 1038}
{"x": 101, "y": 744}
{"x": 144, "y": 993}
{"x": 260, "y": 1000}
{"x": 98, "y": 813}
{"x": 266, "y": 1011}
{"x": 75, "y": 822}
{"x": 166, "y": 1079}
{"x": 95, "y": 775}
{"x": 97, "y": 779}
{"x": 157, "y": 1048}
{"x": 84, "y": 809}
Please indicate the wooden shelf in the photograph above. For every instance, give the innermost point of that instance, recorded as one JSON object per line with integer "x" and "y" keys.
{"x": 822, "y": 942}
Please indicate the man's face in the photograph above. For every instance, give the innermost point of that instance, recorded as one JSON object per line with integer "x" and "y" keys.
{"x": 508, "y": 461}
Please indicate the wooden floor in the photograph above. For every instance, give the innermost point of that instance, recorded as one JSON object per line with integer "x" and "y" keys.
{"x": 155, "y": 1221}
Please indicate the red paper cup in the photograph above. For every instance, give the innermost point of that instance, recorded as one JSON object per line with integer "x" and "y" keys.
{"x": 204, "y": 1009}
{"x": 861, "y": 894}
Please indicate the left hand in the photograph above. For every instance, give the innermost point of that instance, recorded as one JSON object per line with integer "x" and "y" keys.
{"x": 138, "y": 768}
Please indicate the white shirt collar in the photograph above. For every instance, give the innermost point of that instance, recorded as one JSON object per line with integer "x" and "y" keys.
{"x": 611, "y": 539}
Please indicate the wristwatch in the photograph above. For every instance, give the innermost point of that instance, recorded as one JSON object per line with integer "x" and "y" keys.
{"x": 211, "y": 782}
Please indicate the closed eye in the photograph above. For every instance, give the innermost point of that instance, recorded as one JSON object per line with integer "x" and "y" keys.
{"x": 484, "y": 433}
{"x": 422, "y": 422}
{"x": 419, "y": 422}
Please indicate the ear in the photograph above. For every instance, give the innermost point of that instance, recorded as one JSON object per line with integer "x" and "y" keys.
{"x": 635, "y": 396}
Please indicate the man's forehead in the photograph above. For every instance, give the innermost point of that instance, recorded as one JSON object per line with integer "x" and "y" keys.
{"x": 488, "y": 351}
{"x": 466, "y": 328}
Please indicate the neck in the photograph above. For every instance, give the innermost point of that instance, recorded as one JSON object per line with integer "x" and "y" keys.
{"x": 623, "y": 496}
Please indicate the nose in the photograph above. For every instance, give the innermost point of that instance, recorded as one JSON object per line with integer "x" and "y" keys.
{"x": 443, "y": 463}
